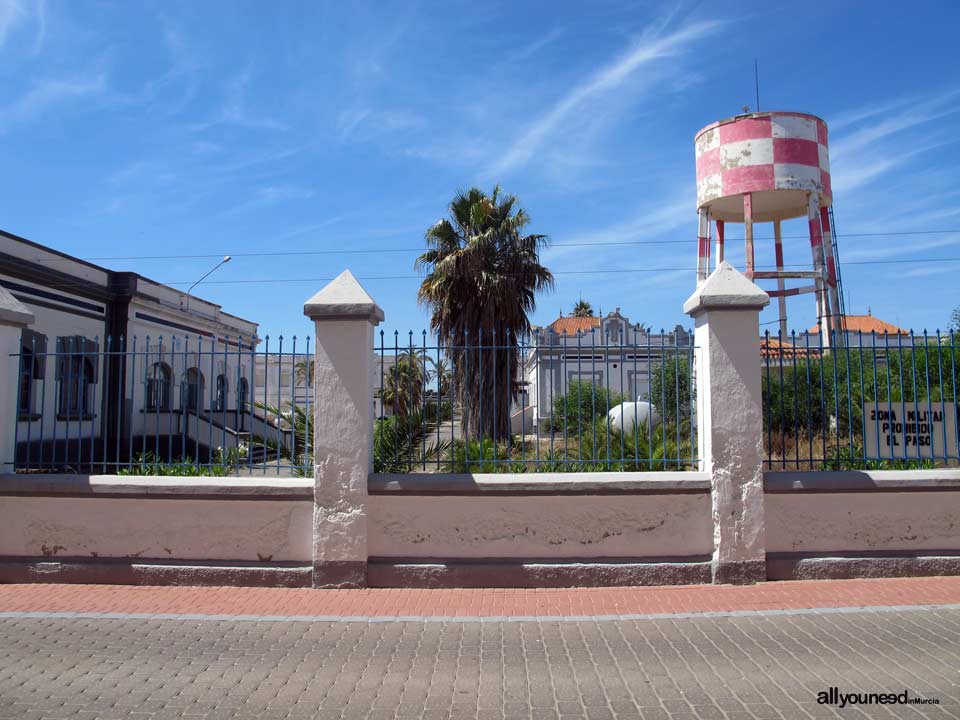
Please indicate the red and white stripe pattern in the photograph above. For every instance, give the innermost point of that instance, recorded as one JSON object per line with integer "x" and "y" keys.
{"x": 703, "y": 246}
{"x": 763, "y": 151}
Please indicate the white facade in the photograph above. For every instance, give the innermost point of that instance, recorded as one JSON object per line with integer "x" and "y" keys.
{"x": 616, "y": 355}
{"x": 113, "y": 356}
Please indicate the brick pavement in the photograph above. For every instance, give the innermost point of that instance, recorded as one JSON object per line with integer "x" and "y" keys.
{"x": 588, "y": 655}
{"x": 735, "y": 668}
{"x": 480, "y": 603}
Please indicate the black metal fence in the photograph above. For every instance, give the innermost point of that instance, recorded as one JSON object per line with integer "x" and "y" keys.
{"x": 545, "y": 402}
{"x": 190, "y": 405}
{"x": 868, "y": 401}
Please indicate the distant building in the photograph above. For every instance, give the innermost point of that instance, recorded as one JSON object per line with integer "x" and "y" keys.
{"x": 610, "y": 352}
{"x": 858, "y": 330}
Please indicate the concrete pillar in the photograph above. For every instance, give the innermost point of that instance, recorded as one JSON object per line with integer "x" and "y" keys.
{"x": 14, "y": 316}
{"x": 726, "y": 311}
{"x": 344, "y": 316}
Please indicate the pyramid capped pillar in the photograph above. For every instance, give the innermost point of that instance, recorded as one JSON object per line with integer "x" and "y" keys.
{"x": 726, "y": 310}
{"x": 344, "y": 316}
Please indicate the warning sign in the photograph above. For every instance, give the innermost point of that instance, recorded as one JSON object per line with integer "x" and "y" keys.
{"x": 910, "y": 430}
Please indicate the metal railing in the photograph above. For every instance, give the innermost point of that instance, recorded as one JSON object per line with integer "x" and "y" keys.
{"x": 190, "y": 405}
{"x": 545, "y": 402}
{"x": 870, "y": 401}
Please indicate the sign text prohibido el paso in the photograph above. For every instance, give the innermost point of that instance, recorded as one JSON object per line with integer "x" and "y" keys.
{"x": 910, "y": 430}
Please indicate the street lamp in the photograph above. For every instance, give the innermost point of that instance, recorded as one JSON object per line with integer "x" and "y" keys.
{"x": 226, "y": 259}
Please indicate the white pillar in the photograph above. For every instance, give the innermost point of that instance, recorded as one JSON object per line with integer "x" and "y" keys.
{"x": 344, "y": 316}
{"x": 14, "y": 316}
{"x": 726, "y": 311}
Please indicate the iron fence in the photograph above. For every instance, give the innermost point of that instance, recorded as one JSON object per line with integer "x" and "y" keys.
{"x": 865, "y": 401}
{"x": 190, "y": 405}
{"x": 543, "y": 402}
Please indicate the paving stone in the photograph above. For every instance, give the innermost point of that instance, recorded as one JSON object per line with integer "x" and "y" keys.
{"x": 734, "y": 668}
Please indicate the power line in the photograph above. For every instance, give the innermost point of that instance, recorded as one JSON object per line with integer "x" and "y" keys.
{"x": 606, "y": 271}
{"x": 375, "y": 251}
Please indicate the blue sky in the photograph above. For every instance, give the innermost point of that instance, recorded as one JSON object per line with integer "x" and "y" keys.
{"x": 141, "y": 129}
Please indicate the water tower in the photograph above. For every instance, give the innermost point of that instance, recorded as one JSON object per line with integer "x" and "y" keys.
{"x": 767, "y": 167}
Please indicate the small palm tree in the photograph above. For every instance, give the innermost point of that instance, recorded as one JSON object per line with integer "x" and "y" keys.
{"x": 482, "y": 277}
{"x": 303, "y": 371}
{"x": 404, "y": 383}
{"x": 582, "y": 309}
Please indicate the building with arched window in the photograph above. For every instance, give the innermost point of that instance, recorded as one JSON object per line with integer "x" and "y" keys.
{"x": 115, "y": 361}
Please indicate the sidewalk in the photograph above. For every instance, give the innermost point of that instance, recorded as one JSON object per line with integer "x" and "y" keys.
{"x": 554, "y": 603}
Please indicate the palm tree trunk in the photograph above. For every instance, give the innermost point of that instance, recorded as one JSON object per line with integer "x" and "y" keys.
{"x": 485, "y": 386}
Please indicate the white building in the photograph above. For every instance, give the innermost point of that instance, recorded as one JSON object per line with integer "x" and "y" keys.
{"x": 115, "y": 363}
{"x": 610, "y": 352}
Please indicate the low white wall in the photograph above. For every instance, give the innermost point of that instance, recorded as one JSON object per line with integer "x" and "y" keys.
{"x": 165, "y": 518}
{"x": 861, "y": 521}
{"x": 853, "y": 511}
{"x": 561, "y": 526}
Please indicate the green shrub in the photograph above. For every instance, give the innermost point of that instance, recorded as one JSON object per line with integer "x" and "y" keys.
{"x": 670, "y": 390}
{"x": 583, "y": 402}
{"x": 147, "y": 463}
{"x": 401, "y": 443}
{"x": 482, "y": 456}
{"x": 604, "y": 449}
{"x": 846, "y": 458}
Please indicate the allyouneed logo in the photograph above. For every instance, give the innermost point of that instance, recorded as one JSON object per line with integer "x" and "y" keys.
{"x": 833, "y": 696}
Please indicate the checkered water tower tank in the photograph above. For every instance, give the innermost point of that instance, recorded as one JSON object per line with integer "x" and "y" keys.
{"x": 767, "y": 167}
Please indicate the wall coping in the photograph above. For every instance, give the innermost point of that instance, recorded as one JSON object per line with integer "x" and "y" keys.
{"x": 626, "y": 483}
{"x": 248, "y": 488}
{"x": 819, "y": 481}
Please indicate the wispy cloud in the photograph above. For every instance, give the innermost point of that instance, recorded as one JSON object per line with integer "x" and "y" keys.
{"x": 12, "y": 13}
{"x": 592, "y": 244}
{"x": 278, "y": 193}
{"x": 533, "y": 48}
{"x": 896, "y": 247}
{"x": 48, "y": 93}
{"x": 367, "y": 123}
{"x": 899, "y": 116}
{"x": 24, "y": 14}
{"x": 609, "y": 78}
{"x": 235, "y": 111}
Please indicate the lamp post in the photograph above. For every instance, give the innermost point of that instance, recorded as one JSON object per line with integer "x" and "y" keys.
{"x": 226, "y": 259}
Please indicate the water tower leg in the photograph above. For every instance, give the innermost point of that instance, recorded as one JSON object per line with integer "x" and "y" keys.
{"x": 719, "y": 242}
{"x": 816, "y": 249}
{"x": 836, "y": 320}
{"x": 782, "y": 299}
{"x": 748, "y": 231}
{"x": 703, "y": 246}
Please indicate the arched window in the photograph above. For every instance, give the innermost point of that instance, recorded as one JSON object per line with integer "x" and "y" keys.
{"x": 159, "y": 381}
{"x": 221, "y": 399}
{"x": 33, "y": 357}
{"x": 193, "y": 389}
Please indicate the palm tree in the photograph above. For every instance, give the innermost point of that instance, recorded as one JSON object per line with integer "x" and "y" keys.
{"x": 582, "y": 309}
{"x": 482, "y": 276}
{"x": 404, "y": 383}
{"x": 303, "y": 371}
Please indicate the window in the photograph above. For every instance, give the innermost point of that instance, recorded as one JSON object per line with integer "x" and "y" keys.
{"x": 33, "y": 355}
{"x": 193, "y": 386}
{"x": 243, "y": 391}
{"x": 77, "y": 375}
{"x": 76, "y": 385}
{"x": 159, "y": 381}
{"x": 221, "y": 400}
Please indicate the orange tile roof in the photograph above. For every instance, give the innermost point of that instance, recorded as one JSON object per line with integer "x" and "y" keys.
{"x": 867, "y": 324}
{"x": 774, "y": 348}
{"x": 572, "y": 325}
